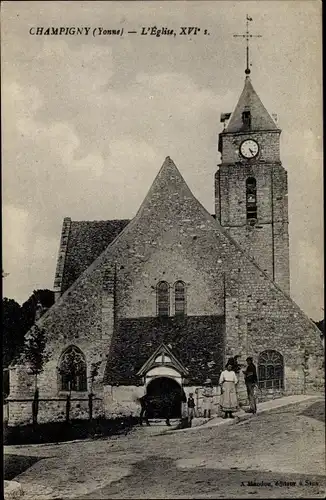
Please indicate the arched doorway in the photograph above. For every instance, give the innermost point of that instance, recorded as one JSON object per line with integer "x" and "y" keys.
{"x": 164, "y": 392}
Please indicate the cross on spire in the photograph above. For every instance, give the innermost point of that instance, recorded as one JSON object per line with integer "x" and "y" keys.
{"x": 247, "y": 37}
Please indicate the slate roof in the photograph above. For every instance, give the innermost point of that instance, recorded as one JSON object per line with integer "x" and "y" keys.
{"x": 87, "y": 240}
{"x": 249, "y": 101}
{"x": 196, "y": 341}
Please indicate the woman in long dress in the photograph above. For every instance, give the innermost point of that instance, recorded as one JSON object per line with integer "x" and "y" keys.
{"x": 229, "y": 401}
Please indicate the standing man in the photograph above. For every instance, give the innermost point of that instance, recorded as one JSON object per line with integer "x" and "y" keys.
{"x": 251, "y": 380}
{"x": 208, "y": 398}
{"x": 191, "y": 408}
{"x": 144, "y": 403}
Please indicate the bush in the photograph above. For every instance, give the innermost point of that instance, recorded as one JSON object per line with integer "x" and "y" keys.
{"x": 55, "y": 432}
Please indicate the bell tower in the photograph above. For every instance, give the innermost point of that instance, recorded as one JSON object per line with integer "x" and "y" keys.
{"x": 251, "y": 183}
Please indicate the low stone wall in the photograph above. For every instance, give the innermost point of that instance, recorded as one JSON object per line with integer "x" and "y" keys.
{"x": 116, "y": 401}
{"x": 19, "y": 411}
{"x": 124, "y": 401}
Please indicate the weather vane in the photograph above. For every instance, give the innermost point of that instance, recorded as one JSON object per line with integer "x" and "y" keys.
{"x": 247, "y": 37}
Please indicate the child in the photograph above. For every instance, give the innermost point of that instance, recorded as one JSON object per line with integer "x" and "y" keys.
{"x": 207, "y": 398}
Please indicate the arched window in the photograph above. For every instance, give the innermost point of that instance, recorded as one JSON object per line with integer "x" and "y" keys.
{"x": 271, "y": 370}
{"x": 251, "y": 200}
{"x": 163, "y": 299}
{"x": 73, "y": 370}
{"x": 179, "y": 298}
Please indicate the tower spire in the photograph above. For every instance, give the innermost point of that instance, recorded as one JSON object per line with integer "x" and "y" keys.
{"x": 247, "y": 36}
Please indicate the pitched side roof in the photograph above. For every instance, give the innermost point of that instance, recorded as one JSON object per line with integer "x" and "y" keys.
{"x": 249, "y": 101}
{"x": 86, "y": 241}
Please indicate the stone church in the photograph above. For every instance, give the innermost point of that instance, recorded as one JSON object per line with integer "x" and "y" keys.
{"x": 161, "y": 301}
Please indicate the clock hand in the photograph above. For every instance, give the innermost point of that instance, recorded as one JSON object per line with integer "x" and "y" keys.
{"x": 251, "y": 151}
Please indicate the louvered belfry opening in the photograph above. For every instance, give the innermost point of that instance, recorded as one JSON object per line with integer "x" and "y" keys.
{"x": 251, "y": 200}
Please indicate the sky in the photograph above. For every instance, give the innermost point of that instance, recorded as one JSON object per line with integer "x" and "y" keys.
{"x": 87, "y": 121}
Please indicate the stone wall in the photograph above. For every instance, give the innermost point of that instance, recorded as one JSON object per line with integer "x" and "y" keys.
{"x": 122, "y": 400}
{"x": 19, "y": 411}
{"x": 269, "y": 142}
{"x": 281, "y": 228}
{"x": 267, "y": 241}
{"x": 259, "y": 317}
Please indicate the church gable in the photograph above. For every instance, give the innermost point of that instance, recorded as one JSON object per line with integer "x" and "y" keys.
{"x": 257, "y": 313}
{"x": 168, "y": 210}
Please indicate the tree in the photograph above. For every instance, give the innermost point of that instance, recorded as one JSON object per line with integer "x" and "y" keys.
{"x": 35, "y": 357}
{"x": 71, "y": 367}
{"x": 94, "y": 372}
{"x": 34, "y": 354}
{"x": 43, "y": 296}
{"x": 12, "y": 331}
{"x": 17, "y": 321}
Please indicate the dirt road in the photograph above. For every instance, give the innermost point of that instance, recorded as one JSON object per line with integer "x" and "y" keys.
{"x": 280, "y": 454}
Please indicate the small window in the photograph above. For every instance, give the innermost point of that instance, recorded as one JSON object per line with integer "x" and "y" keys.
{"x": 179, "y": 298}
{"x": 246, "y": 118}
{"x": 251, "y": 200}
{"x": 163, "y": 358}
{"x": 163, "y": 299}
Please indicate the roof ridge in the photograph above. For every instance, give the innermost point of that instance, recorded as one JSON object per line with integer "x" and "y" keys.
{"x": 101, "y": 220}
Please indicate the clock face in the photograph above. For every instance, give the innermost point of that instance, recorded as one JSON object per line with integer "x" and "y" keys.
{"x": 249, "y": 148}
